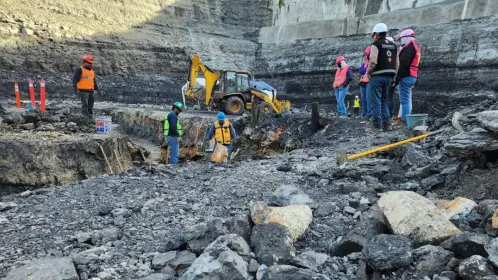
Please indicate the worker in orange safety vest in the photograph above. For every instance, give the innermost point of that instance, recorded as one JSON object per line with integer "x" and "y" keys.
{"x": 343, "y": 76}
{"x": 85, "y": 84}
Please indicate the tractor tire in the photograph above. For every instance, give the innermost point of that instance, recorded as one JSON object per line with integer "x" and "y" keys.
{"x": 234, "y": 106}
{"x": 265, "y": 108}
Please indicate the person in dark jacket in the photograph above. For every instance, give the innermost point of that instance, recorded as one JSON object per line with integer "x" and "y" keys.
{"x": 85, "y": 84}
{"x": 409, "y": 60}
{"x": 380, "y": 73}
{"x": 343, "y": 77}
{"x": 173, "y": 132}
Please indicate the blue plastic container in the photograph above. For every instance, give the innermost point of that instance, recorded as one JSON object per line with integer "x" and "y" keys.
{"x": 414, "y": 120}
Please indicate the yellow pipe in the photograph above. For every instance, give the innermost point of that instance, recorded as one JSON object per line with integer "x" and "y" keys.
{"x": 383, "y": 148}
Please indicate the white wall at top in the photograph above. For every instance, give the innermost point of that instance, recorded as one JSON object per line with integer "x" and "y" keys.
{"x": 296, "y": 11}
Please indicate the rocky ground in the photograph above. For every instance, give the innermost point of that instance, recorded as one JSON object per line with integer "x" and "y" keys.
{"x": 293, "y": 213}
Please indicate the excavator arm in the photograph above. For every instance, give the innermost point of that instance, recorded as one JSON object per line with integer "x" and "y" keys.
{"x": 209, "y": 75}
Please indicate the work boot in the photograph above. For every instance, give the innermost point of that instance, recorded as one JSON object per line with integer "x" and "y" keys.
{"x": 397, "y": 122}
{"x": 373, "y": 130}
{"x": 387, "y": 127}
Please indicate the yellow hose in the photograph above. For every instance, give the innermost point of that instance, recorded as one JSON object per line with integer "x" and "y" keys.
{"x": 383, "y": 148}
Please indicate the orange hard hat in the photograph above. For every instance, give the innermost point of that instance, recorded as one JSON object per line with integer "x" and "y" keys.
{"x": 88, "y": 58}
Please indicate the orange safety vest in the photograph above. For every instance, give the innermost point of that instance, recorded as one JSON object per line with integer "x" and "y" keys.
{"x": 416, "y": 59}
{"x": 222, "y": 133}
{"x": 340, "y": 76}
{"x": 87, "y": 79}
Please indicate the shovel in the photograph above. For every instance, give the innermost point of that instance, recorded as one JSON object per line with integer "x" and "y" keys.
{"x": 342, "y": 157}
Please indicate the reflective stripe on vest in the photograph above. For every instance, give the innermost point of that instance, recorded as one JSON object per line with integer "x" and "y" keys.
{"x": 340, "y": 76}
{"x": 357, "y": 103}
{"x": 416, "y": 59}
{"x": 166, "y": 126}
{"x": 87, "y": 79}
{"x": 222, "y": 133}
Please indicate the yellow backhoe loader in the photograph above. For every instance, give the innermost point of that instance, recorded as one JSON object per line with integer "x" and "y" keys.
{"x": 229, "y": 90}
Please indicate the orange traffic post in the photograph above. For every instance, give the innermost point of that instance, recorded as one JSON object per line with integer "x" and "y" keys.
{"x": 42, "y": 95}
{"x": 32, "y": 94}
{"x": 18, "y": 95}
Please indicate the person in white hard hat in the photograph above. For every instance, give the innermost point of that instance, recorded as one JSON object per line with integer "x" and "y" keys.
{"x": 406, "y": 77}
{"x": 380, "y": 73}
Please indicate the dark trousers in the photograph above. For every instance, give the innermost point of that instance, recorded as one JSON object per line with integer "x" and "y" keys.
{"x": 87, "y": 100}
{"x": 379, "y": 88}
{"x": 356, "y": 111}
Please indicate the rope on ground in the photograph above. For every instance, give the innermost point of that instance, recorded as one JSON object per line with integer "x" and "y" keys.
{"x": 119, "y": 162}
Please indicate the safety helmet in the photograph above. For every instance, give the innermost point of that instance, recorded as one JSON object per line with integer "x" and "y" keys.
{"x": 339, "y": 59}
{"x": 357, "y": 97}
{"x": 406, "y": 33}
{"x": 367, "y": 51}
{"x": 88, "y": 58}
{"x": 380, "y": 28}
{"x": 178, "y": 105}
{"x": 221, "y": 116}
{"x": 390, "y": 39}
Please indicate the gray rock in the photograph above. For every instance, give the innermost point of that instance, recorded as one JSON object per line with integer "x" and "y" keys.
{"x": 4, "y": 206}
{"x": 490, "y": 277}
{"x": 489, "y": 120}
{"x": 475, "y": 268}
{"x": 163, "y": 259}
{"x": 430, "y": 260}
{"x": 221, "y": 260}
{"x": 471, "y": 143}
{"x": 287, "y": 272}
{"x": 290, "y": 195}
{"x": 414, "y": 157}
{"x": 467, "y": 245}
{"x": 432, "y": 182}
{"x": 385, "y": 252}
{"x": 492, "y": 250}
{"x": 201, "y": 235}
{"x": 85, "y": 257}
{"x": 253, "y": 266}
{"x": 449, "y": 275}
{"x": 241, "y": 224}
{"x": 45, "y": 269}
{"x": 262, "y": 270}
{"x": 371, "y": 224}
{"x": 27, "y": 126}
{"x": 158, "y": 276}
{"x": 182, "y": 260}
{"x": 121, "y": 212}
{"x": 310, "y": 260}
{"x": 451, "y": 170}
{"x": 324, "y": 209}
{"x": 350, "y": 210}
{"x": 272, "y": 244}
{"x": 487, "y": 207}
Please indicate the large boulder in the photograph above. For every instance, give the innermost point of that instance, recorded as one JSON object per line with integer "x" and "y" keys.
{"x": 290, "y": 195}
{"x": 45, "y": 269}
{"x": 430, "y": 260}
{"x": 489, "y": 120}
{"x": 371, "y": 223}
{"x": 413, "y": 215}
{"x": 221, "y": 260}
{"x": 385, "y": 252}
{"x": 272, "y": 244}
{"x": 296, "y": 218}
{"x": 287, "y": 272}
{"x": 475, "y": 268}
{"x": 471, "y": 143}
{"x": 467, "y": 245}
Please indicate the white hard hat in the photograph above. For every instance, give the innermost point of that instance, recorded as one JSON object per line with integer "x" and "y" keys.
{"x": 380, "y": 28}
{"x": 356, "y": 96}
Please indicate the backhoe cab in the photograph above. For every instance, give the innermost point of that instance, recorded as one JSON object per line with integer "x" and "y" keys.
{"x": 229, "y": 90}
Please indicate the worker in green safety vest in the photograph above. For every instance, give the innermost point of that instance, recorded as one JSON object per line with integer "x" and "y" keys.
{"x": 356, "y": 107}
{"x": 173, "y": 132}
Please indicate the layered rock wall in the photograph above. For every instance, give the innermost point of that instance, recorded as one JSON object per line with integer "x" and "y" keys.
{"x": 142, "y": 48}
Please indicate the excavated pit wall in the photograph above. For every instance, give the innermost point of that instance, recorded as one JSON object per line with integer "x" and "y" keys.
{"x": 38, "y": 162}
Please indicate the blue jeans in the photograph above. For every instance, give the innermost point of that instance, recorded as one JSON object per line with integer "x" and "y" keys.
{"x": 379, "y": 88}
{"x": 340, "y": 95}
{"x": 390, "y": 101}
{"x": 366, "y": 110}
{"x": 174, "y": 149}
{"x": 405, "y": 95}
{"x": 229, "y": 148}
